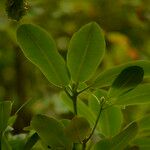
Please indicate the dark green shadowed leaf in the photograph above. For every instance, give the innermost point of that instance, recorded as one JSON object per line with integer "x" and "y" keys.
{"x": 78, "y": 129}
{"x": 139, "y": 95}
{"x": 51, "y": 132}
{"x": 86, "y": 51}
{"x": 127, "y": 80}
{"x": 41, "y": 50}
{"x": 107, "y": 77}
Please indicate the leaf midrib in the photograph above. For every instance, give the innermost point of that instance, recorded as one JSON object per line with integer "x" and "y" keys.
{"x": 85, "y": 52}
{"x": 32, "y": 37}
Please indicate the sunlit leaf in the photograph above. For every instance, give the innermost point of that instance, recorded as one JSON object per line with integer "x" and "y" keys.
{"x": 41, "y": 50}
{"x": 86, "y": 51}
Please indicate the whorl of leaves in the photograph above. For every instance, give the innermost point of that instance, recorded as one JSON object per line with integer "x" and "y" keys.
{"x": 16, "y": 9}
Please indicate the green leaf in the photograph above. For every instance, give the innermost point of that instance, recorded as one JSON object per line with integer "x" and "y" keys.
{"x": 51, "y": 132}
{"x": 144, "y": 123}
{"x": 102, "y": 145}
{"x": 86, "y": 51}
{"x": 41, "y": 50}
{"x": 5, "y": 110}
{"x": 120, "y": 141}
{"x": 142, "y": 141}
{"x": 78, "y": 129}
{"x": 107, "y": 77}
{"x": 111, "y": 121}
{"x": 139, "y": 95}
{"x": 111, "y": 118}
{"x": 83, "y": 109}
{"x": 127, "y": 80}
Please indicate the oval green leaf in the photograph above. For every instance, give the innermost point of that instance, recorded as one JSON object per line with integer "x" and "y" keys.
{"x": 51, "y": 132}
{"x": 107, "y": 77}
{"x": 78, "y": 129}
{"x": 86, "y": 51}
{"x": 41, "y": 50}
{"x": 127, "y": 80}
{"x": 139, "y": 95}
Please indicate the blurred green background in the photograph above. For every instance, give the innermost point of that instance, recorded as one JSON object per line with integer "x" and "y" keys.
{"x": 126, "y": 25}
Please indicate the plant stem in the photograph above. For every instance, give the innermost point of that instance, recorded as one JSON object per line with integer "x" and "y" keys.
{"x": 96, "y": 123}
{"x": 75, "y": 105}
{"x": 83, "y": 146}
{"x": 73, "y": 96}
